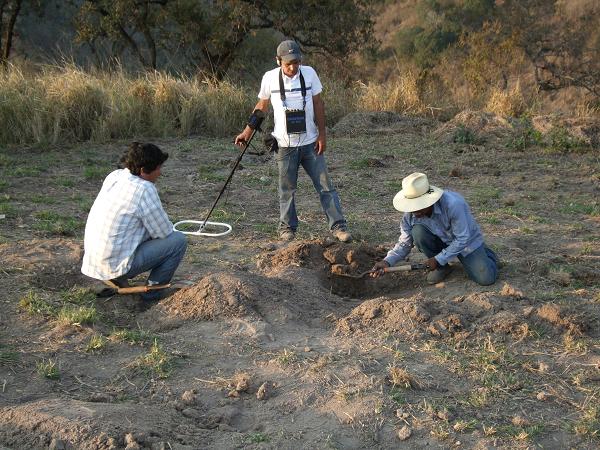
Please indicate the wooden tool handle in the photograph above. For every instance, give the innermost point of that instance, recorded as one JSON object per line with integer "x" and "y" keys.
{"x": 405, "y": 268}
{"x": 141, "y": 289}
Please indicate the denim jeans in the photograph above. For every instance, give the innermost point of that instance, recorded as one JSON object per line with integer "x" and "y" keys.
{"x": 289, "y": 160}
{"x": 159, "y": 256}
{"x": 481, "y": 265}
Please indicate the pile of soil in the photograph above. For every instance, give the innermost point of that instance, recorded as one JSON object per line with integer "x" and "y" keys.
{"x": 327, "y": 260}
{"x": 297, "y": 254}
{"x": 482, "y": 125}
{"x": 406, "y": 316}
{"x": 380, "y": 122}
{"x": 583, "y": 130}
{"x": 508, "y": 312}
{"x": 62, "y": 424}
{"x": 215, "y": 296}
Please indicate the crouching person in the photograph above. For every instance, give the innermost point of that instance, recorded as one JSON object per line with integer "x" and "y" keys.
{"x": 442, "y": 227}
{"x": 128, "y": 232}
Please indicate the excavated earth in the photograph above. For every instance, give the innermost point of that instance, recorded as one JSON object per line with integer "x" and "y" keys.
{"x": 271, "y": 346}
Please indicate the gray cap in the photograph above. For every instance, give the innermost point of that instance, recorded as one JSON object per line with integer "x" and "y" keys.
{"x": 288, "y": 51}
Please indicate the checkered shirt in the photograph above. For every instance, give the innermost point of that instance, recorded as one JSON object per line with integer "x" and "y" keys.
{"x": 126, "y": 213}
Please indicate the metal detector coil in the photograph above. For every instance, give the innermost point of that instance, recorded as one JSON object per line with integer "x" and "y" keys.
{"x": 254, "y": 123}
{"x": 203, "y": 224}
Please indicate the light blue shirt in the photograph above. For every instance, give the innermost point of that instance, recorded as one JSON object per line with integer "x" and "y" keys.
{"x": 451, "y": 221}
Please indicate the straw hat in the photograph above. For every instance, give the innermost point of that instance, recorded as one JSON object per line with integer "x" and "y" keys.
{"x": 416, "y": 193}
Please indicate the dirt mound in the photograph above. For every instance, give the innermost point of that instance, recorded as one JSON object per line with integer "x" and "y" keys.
{"x": 580, "y": 130}
{"x": 298, "y": 254}
{"x": 480, "y": 313}
{"x": 65, "y": 424}
{"x": 217, "y": 295}
{"x": 379, "y": 122}
{"x": 326, "y": 260}
{"x": 46, "y": 263}
{"x": 576, "y": 322}
{"x": 245, "y": 298}
{"x": 406, "y": 316}
{"x": 473, "y": 127}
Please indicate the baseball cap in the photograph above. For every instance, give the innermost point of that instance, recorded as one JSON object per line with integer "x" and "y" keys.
{"x": 288, "y": 51}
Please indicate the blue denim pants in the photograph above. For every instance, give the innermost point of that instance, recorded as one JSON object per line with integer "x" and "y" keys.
{"x": 289, "y": 160}
{"x": 159, "y": 256}
{"x": 481, "y": 265}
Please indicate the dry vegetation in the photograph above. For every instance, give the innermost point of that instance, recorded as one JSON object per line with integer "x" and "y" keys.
{"x": 54, "y": 105}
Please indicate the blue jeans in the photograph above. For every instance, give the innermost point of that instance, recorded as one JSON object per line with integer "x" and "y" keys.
{"x": 159, "y": 256}
{"x": 481, "y": 265}
{"x": 289, "y": 160}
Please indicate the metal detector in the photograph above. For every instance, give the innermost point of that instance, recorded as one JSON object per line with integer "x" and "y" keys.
{"x": 255, "y": 121}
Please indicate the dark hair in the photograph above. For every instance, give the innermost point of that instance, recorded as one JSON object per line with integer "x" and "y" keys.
{"x": 143, "y": 156}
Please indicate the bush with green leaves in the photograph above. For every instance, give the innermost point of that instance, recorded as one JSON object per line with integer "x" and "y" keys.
{"x": 525, "y": 137}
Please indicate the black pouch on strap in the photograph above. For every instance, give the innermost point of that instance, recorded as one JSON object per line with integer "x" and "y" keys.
{"x": 295, "y": 121}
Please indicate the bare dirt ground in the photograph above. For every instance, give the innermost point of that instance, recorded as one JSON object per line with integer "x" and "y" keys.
{"x": 268, "y": 348}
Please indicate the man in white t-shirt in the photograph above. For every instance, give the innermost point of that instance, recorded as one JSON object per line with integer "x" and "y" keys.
{"x": 299, "y": 112}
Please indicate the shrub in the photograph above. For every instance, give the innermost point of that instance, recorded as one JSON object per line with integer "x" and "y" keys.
{"x": 401, "y": 95}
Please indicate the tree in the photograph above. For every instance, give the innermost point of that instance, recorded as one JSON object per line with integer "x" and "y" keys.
{"x": 9, "y": 11}
{"x": 208, "y": 33}
{"x": 442, "y": 24}
{"x": 125, "y": 23}
{"x": 562, "y": 49}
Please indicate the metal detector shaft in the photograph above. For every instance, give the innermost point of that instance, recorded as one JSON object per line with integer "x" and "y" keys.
{"x": 237, "y": 162}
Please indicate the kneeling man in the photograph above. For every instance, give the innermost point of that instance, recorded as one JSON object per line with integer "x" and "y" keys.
{"x": 128, "y": 232}
{"x": 442, "y": 227}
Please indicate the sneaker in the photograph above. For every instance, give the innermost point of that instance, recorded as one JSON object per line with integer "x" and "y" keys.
{"x": 342, "y": 235}
{"x": 439, "y": 274}
{"x": 287, "y": 235}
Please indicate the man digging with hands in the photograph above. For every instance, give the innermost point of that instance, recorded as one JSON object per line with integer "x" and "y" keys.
{"x": 442, "y": 227}
{"x": 299, "y": 113}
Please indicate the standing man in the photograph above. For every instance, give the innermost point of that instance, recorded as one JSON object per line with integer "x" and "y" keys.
{"x": 442, "y": 227}
{"x": 128, "y": 232}
{"x": 299, "y": 112}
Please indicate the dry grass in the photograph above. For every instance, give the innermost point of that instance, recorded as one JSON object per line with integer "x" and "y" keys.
{"x": 506, "y": 102}
{"x": 399, "y": 376}
{"x": 59, "y": 104}
{"x": 401, "y": 95}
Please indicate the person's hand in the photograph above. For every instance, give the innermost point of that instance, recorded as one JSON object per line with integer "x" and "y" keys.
{"x": 379, "y": 269}
{"x": 242, "y": 138}
{"x": 320, "y": 145}
{"x": 432, "y": 263}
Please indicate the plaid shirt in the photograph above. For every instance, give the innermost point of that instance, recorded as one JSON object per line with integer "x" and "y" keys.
{"x": 126, "y": 213}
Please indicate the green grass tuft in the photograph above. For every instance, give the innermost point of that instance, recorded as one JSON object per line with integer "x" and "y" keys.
{"x": 48, "y": 369}
{"x": 57, "y": 224}
{"x": 156, "y": 362}
{"x": 77, "y": 315}
{"x": 137, "y": 336}
{"x": 96, "y": 343}
{"x": 33, "y": 304}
